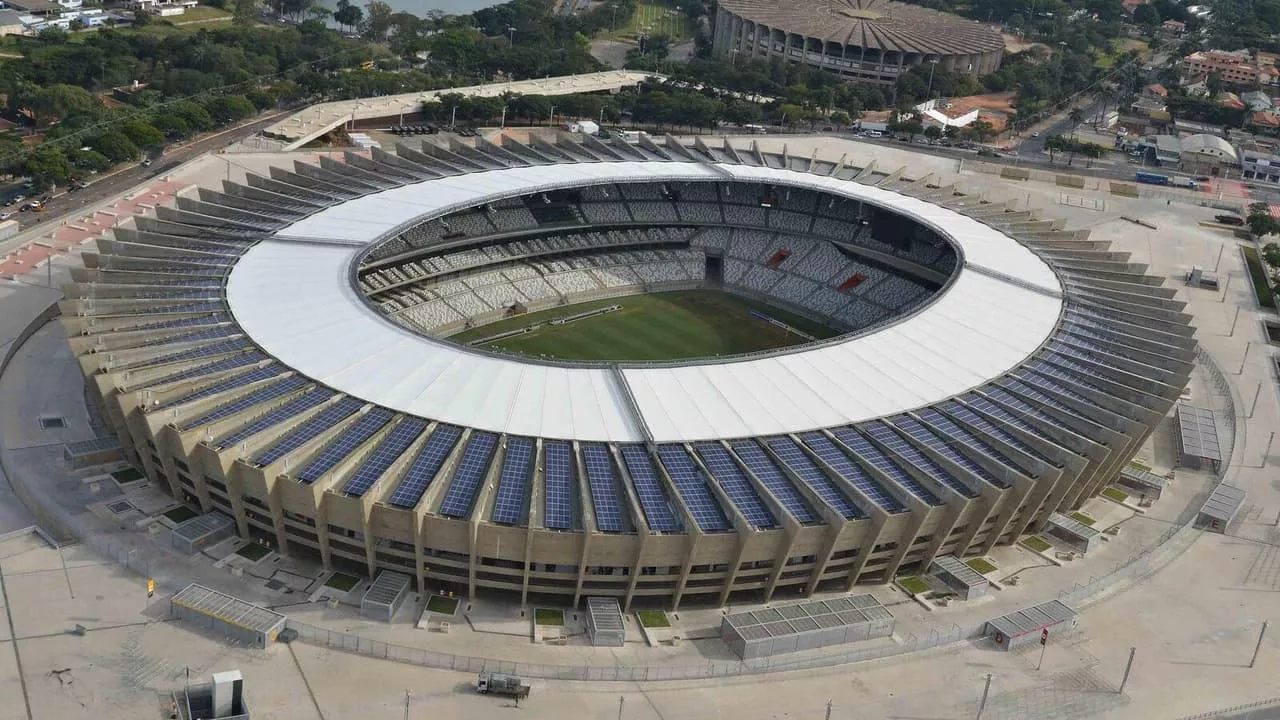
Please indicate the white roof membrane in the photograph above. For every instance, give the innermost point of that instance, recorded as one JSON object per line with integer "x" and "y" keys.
{"x": 296, "y": 300}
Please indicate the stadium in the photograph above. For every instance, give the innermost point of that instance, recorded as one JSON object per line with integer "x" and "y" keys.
{"x": 665, "y": 372}
{"x": 870, "y": 41}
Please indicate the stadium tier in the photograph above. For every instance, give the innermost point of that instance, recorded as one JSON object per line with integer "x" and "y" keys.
{"x": 275, "y": 350}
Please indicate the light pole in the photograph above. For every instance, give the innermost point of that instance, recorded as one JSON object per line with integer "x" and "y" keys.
{"x": 933, "y": 65}
{"x": 511, "y": 32}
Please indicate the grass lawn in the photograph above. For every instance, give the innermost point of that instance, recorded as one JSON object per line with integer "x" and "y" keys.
{"x": 442, "y": 604}
{"x": 342, "y": 581}
{"x": 254, "y": 552}
{"x": 656, "y": 18}
{"x": 1258, "y": 274}
{"x": 200, "y": 13}
{"x": 663, "y": 326}
{"x": 1083, "y": 518}
{"x": 127, "y": 475}
{"x": 1036, "y": 543}
{"x": 981, "y": 565}
{"x": 1139, "y": 465}
{"x": 542, "y": 616}
{"x": 913, "y": 585}
{"x": 1114, "y": 494}
{"x": 181, "y": 514}
{"x": 654, "y": 619}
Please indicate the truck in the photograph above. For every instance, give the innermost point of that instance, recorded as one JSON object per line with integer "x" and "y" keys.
{"x": 502, "y": 684}
{"x": 1159, "y": 179}
{"x": 1233, "y": 220}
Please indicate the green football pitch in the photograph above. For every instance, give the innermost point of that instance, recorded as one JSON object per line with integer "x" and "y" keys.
{"x": 662, "y": 326}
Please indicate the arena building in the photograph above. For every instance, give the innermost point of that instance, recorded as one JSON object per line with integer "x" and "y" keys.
{"x": 870, "y": 41}
{"x": 276, "y": 350}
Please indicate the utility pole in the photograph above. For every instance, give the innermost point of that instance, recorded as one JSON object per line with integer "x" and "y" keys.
{"x": 1254, "y": 405}
{"x": 982, "y": 704}
{"x": 1266, "y": 452}
{"x": 1127, "y": 668}
{"x": 1245, "y": 357}
{"x": 1261, "y": 635}
{"x": 407, "y": 695}
{"x": 1044, "y": 644}
{"x": 621, "y": 700}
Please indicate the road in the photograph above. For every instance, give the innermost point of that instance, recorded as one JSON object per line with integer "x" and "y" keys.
{"x": 1034, "y": 146}
{"x": 116, "y": 183}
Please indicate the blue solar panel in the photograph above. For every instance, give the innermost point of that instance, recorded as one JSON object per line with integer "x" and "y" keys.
{"x": 210, "y": 319}
{"x": 692, "y": 486}
{"x": 1026, "y": 409}
{"x": 423, "y": 470}
{"x": 218, "y": 348}
{"x": 258, "y": 396}
{"x": 969, "y": 416}
{"x": 210, "y": 334}
{"x": 859, "y": 444}
{"x": 345, "y": 444}
{"x": 513, "y": 482}
{"x": 1035, "y": 387}
{"x": 471, "y": 469}
{"x": 168, "y": 309}
{"x": 959, "y": 434}
{"x": 735, "y": 484}
{"x": 294, "y": 407}
{"x": 644, "y": 479}
{"x": 810, "y": 474}
{"x": 309, "y": 430}
{"x": 559, "y": 481}
{"x": 921, "y": 462}
{"x": 771, "y": 477}
{"x": 383, "y": 456}
{"x": 257, "y": 374}
{"x": 847, "y": 469}
{"x": 231, "y": 363}
{"x": 602, "y": 480}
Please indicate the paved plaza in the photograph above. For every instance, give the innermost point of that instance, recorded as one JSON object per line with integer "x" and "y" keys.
{"x": 80, "y": 638}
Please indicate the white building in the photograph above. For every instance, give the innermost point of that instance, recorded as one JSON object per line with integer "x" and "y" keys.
{"x": 943, "y": 114}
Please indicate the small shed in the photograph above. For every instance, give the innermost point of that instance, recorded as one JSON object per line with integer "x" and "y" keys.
{"x": 968, "y": 583}
{"x": 1220, "y": 509}
{"x": 192, "y": 536}
{"x": 1025, "y": 626}
{"x": 1145, "y": 483}
{"x": 226, "y": 615}
{"x": 385, "y": 596}
{"x": 1079, "y": 536}
{"x": 604, "y": 622}
{"x": 805, "y": 626}
{"x": 1199, "y": 448}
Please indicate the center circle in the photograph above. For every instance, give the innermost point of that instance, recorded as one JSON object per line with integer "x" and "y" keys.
{"x": 656, "y": 272}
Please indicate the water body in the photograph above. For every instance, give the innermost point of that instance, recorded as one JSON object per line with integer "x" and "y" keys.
{"x": 422, "y": 7}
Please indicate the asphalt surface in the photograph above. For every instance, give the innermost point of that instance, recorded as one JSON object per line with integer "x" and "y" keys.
{"x": 114, "y": 184}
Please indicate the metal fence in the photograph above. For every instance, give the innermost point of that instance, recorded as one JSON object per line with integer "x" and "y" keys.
{"x": 1260, "y": 709}
{"x": 622, "y": 673}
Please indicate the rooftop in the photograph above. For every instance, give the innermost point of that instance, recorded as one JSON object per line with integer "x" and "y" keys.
{"x": 876, "y": 24}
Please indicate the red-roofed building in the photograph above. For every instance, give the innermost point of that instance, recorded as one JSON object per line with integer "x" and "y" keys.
{"x": 1173, "y": 27}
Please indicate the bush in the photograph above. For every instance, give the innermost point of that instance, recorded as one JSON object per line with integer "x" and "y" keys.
{"x": 981, "y": 565}
{"x": 913, "y": 585}
{"x": 1037, "y": 543}
{"x": 654, "y": 619}
{"x": 543, "y": 616}
{"x": 1258, "y": 274}
{"x": 1114, "y": 494}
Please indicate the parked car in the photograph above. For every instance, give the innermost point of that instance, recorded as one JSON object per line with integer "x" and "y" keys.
{"x": 6, "y": 215}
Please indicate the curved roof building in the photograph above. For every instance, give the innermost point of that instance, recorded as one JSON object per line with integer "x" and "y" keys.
{"x": 278, "y": 350}
{"x": 861, "y": 40}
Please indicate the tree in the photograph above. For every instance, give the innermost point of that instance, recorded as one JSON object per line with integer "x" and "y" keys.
{"x": 47, "y": 166}
{"x": 933, "y": 132}
{"x": 1213, "y": 83}
{"x": 348, "y": 15}
{"x": 229, "y": 108}
{"x": 246, "y": 12}
{"x": 1260, "y": 221}
{"x": 1054, "y": 144}
{"x": 261, "y": 99}
{"x": 379, "y": 20}
{"x": 143, "y": 134}
{"x": 115, "y": 146}
{"x": 58, "y": 101}
{"x": 76, "y": 25}
{"x": 1146, "y": 15}
{"x": 1271, "y": 253}
{"x": 1076, "y": 116}
{"x": 141, "y": 18}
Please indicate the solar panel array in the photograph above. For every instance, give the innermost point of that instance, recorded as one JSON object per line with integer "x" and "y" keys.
{"x": 835, "y": 458}
{"x": 602, "y": 480}
{"x": 218, "y": 366}
{"x": 278, "y": 415}
{"x": 182, "y": 322}
{"x": 692, "y": 486}
{"x": 258, "y": 374}
{"x": 424, "y": 467}
{"x": 513, "y": 482}
{"x": 384, "y": 456}
{"x": 203, "y": 351}
{"x": 969, "y": 416}
{"x": 644, "y": 479}
{"x": 1037, "y": 388}
{"x": 810, "y": 474}
{"x": 735, "y": 484}
{"x": 471, "y": 469}
{"x": 761, "y": 465}
{"x": 884, "y": 464}
{"x": 244, "y": 402}
{"x": 961, "y": 435}
{"x": 309, "y": 430}
{"x": 558, "y": 476}
{"x": 931, "y": 440}
{"x": 1025, "y": 408}
{"x": 345, "y": 444}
